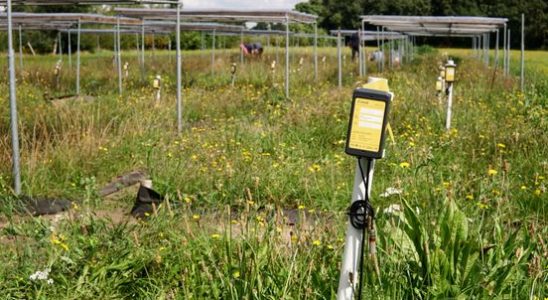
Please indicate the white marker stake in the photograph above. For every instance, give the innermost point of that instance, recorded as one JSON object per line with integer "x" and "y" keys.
{"x": 348, "y": 281}
{"x": 449, "y": 106}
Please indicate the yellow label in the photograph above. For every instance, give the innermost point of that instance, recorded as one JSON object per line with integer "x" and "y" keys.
{"x": 367, "y": 124}
{"x": 450, "y": 75}
{"x": 438, "y": 85}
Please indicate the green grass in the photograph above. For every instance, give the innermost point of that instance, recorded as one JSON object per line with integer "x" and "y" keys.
{"x": 474, "y": 223}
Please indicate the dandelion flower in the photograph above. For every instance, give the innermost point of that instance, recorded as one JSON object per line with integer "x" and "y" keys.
{"x": 301, "y": 207}
{"x": 196, "y": 217}
{"x": 404, "y": 165}
{"x": 501, "y": 145}
{"x": 236, "y": 274}
{"x": 492, "y": 172}
{"x": 523, "y": 187}
{"x": 216, "y": 236}
{"x": 469, "y": 197}
{"x": 316, "y": 243}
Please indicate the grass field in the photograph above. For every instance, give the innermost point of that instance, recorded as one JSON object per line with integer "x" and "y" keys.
{"x": 475, "y": 213}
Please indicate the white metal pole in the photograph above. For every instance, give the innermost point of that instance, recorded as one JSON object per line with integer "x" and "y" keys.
{"x": 20, "y": 48}
{"x": 522, "y": 73}
{"x": 119, "y": 55}
{"x": 339, "y": 57}
{"x": 504, "y": 44}
{"x": 449, "y": 106}
{"x": 382, "y": 49}
{"x": 13, "y": 106}
{"x": 212, "y": 51}
{"x": 497, "y": 49}
{"x": 359, "y": 53}
{"x": 78, "y": 58}
{"x": 60, "y": 48}
{"x": 348, "y": 281}
{"x": 316, "y": 51}
{"x": 509, "y": 52}
{"x": 286, "y": 56}
{"x": 241, "y": 43}
{"x": 138, "y": 48}
{"x": 364, "y": 51}
{"x": 143, "y": 70}
{"x": 179, "y": 75}
{"x": 69, "y": 49}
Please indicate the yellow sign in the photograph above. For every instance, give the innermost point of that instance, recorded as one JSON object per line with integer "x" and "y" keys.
{"x": 367, "y": 124}
{"x": 438, "y": 85}
{"x": 450, "y": 74}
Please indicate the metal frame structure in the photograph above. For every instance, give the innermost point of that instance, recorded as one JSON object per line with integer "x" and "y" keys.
{"x": 478, "y": 29}
{"x": 227, "y": 16}
{"x": 364, "y": 36}
{"x": 11, "y": 62}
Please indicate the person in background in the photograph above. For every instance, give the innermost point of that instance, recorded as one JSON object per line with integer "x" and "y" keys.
{"x": 354, "y": 44}
{"x": 253, "y": 49}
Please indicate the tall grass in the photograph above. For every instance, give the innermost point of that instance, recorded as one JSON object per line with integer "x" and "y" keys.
{"x": 474, "y": 204}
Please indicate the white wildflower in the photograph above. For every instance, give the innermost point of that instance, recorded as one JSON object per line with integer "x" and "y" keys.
{"x": 391, "y": 191}
{"x": 392, "y": 209}
{"x": 41, "y": 275}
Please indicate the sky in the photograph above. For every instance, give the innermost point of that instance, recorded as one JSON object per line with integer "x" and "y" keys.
{"x": 241, "y": 4}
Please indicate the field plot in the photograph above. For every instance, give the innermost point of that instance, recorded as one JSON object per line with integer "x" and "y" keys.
{"x": 257, "y": 185}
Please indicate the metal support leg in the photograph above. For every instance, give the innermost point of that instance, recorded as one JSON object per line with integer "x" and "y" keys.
{"x": 286, "y": 56}
{"x": 13, "y": 106}
{"x": 212, "y": 51}
{"x": 179, "y": 75}
{"x": 20, "y": 48}
{"x": 119, "y": 56}
{"x": 522, "y": 67}
{"x": 315, "y": 51}
{"x": 69, "y": 50}
{"x": 339, "y": 57}
{"x": 78, "y": 57}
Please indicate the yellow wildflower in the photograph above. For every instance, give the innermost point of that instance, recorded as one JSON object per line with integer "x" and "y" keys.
{"x": 469, "y": 197}
{"x": 316, "y": 243}
{"x": 215, "y": 236}
{"x": 196, "y": 217}
{"x": 301, "y": 207}
{"x": 492, "y": 172}
{"x": 236, "y": 274}
{"x": 404, "y": 165}
{"x": 501, "y": 145}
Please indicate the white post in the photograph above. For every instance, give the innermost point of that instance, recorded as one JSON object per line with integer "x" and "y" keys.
{"x": 78, "y": 58}
{"x": 143, "y": 50}
{"x": 286, "y": 56}
{"x": 179, "y": 75}
{"x": 509, "y": 52}
{"x": 69, "y": 49}
{"x": 497, "y": 49}
{"x": 20, "y": 48}
{"x": 364, "y": 51}
{"x": 449, "y": 106}
{"x": 119, "y": 55}
{"x": 212, "y": 51}
{"x": 382, "y": 49}
{"x": 241, "y": 43}
{"x": 316, "y": 51}
{"x": 339, "y": 57}
{"x": 13, "y": 106}
{"x": 505, "y": 54}
{"x": 360, "y": 69}
{"x": 522, "y": 73}
{"x": 348, "y": 281}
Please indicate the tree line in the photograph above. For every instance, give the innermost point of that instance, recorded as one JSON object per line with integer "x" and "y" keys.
{"x": 345, "y": 14}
